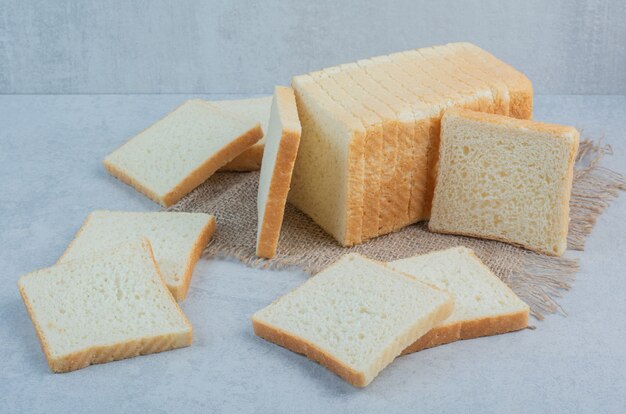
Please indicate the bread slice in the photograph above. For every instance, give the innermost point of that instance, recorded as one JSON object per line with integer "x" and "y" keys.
{"x": 105, "y": 307}
{"x": 283, "y": 137}
{"x": 327, "y": 180}
{"x": 354, "y": 317}
{"x": 253, "y": 108}
{"x": 176, "y": 238}
{"x": 483, "y": 304}
{"x": 505, "y": 179}
{"x": 179, "y": 152}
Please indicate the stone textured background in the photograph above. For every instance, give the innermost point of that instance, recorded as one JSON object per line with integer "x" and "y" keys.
{"x": 242, "y": 47}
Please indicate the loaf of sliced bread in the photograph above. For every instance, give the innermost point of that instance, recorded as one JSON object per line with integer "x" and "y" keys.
{"x": 483, "y": 304}
{"x": 253, "y": 108}
{"x": 505, "y": 179}
{"x": 355, "y": 317}
{"x": 179, "y": 152}
{"x": 400, "y": 168}
{"x": 105, "y": 307}
{"x": 281, "y": 148}
{"x": 177, "y": 240}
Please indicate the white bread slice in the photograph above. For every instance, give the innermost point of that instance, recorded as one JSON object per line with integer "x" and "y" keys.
{"x": 177, "y": 240}
{"x": 253, "y": 108}
{"x": 354, "y": 318}
{"x": 327, "y": 180}
{"x": 102, "y": 308}
{"x": 179, "y": 152}
{"x": 281, "y": 148}
{"x": 505, "y": 179}
{"x": 483, "y": 304}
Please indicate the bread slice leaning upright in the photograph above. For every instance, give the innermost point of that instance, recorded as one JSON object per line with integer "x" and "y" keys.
{"x": 355, "y": 317}
{"x": 505, "y": 179}
{"x": 179, "y": 152}
{"x": 483, "y": 304}
{"x": 177, "y": 240}
{"x": 281, "y": 148}
{"x": 105, "y": 307}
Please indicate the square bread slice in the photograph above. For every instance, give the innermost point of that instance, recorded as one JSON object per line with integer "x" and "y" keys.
{"x": 253, "y": 108}
{"x": 505, "y": 179}
{"x": 102, "y": 308}
{"x": 355, "y": 317}
{"x": 179, "y": 152}
{"x": 177, "y": 240}
{"x": 281, "y": 148}
{"x": 483, "y": 304}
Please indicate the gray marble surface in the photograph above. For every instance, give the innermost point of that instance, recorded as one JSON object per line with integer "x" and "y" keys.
{"x": 51, "y": 177}
{"x": 245, "y": 46}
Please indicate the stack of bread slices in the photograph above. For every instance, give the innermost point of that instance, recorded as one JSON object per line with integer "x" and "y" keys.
{"x": 112, "y": 294}
{"x": 356, "y": 316}
{"x": 370, "y": 131}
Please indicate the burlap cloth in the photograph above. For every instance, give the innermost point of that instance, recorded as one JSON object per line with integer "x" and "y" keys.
{"x": 536, "y": 278}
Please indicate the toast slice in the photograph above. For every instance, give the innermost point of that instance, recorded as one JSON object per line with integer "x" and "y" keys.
{"x": 483, "y": 304}
{"x": 253, "y": 108}
{"x": 281, "y": 148}
{"x": 177, "y": 240}
{"x": 105, "y": 307}
{"x": 505, "y": 179}
{"x": 179, "y": 152}
{"x": 355, "y": 317}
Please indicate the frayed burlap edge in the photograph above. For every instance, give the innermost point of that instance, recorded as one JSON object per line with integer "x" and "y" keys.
{"x": 538, "y": 279}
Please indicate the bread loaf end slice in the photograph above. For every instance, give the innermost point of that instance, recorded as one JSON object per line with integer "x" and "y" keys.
{"x": 505, "y": 179}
